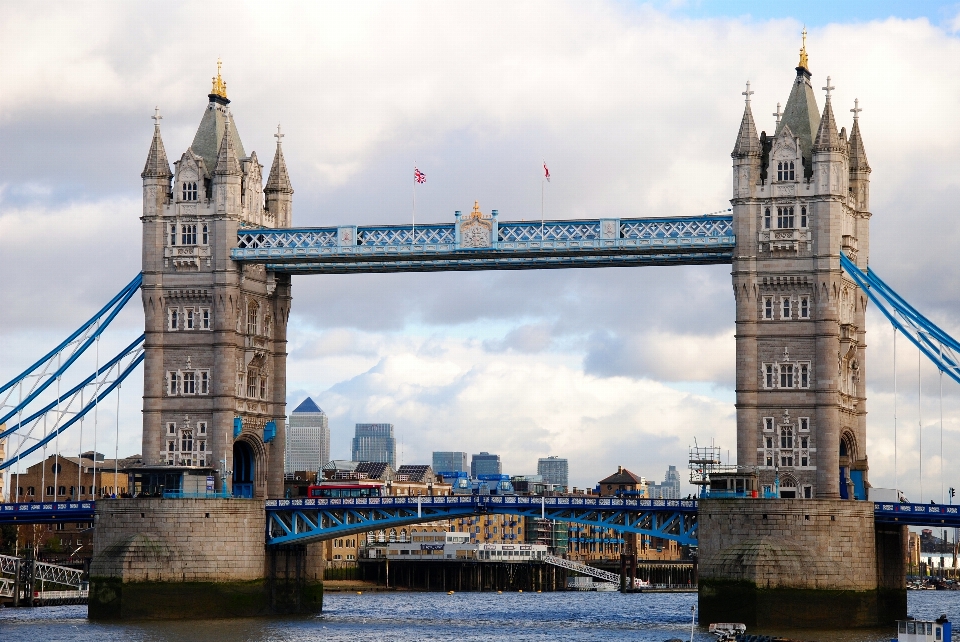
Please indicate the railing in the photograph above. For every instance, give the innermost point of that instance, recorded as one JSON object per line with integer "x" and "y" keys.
{"x": 176, "y": 494}
{"x": 680, "y": 505}
{"x": 583, "y": 569}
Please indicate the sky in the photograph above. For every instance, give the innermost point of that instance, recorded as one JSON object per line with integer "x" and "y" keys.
{"x": 635, "y": 108}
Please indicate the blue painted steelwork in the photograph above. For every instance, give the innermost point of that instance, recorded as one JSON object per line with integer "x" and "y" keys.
{"x": 942, "y": 349}
{"x": 514, "y": 245}
{"x": 916, "y": 514}
{"x": 307, "y": 520}
{"x": 81, "y": 339}
{"x": 47, "y": 512}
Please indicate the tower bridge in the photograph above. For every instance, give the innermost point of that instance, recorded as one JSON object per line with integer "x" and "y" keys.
{"x": 218, "y": 253}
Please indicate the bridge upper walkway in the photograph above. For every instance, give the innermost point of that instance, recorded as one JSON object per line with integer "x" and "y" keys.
{"x": 501, "y": 245}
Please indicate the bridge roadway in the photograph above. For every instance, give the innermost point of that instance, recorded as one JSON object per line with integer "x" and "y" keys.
{"x": 306, "y": 520}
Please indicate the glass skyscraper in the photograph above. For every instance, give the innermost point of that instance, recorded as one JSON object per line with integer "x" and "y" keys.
{"x": 485, "y": 464}
{"x": 375, "y": 442}
{"x": 308, "y": 439}
{"x": 449, "y": 462}
{"x": 554, "y": 470}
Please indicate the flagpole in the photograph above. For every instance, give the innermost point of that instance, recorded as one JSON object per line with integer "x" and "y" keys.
{"x": 541, "y": 212}
{"x": 413, "y": 230}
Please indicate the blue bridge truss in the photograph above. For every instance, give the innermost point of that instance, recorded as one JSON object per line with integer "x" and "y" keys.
{"x": 513, "y": 245}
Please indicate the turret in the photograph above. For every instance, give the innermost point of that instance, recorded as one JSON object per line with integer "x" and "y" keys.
{"x": 227, "y": 176}
{"x": 279, "y": 192}
{"x": 746, "y": 153}
{"x": 156, "y": 173}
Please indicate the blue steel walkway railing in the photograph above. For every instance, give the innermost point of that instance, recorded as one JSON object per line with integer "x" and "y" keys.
{"x": 502, "y": 245}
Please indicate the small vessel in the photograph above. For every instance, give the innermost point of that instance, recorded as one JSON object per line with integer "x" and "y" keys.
{"x": 727, "y": 631}
{"x": 909, "y": 630}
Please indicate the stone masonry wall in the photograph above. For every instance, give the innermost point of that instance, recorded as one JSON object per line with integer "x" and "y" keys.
{"x": 179, "y": 540}
{"x": 788, "y": 544}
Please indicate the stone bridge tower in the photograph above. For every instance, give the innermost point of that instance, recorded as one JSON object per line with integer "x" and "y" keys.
{"x": 215, "y": 367}
{"x": 800, "y": 198}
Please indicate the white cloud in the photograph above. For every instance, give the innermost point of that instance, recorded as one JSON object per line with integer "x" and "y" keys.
{"x": 635, "y": 111}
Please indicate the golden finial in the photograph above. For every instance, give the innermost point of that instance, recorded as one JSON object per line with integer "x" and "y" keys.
{"x": 219, "y": 86}
{"x": 476, "y": 210}
{"x": 803, "y": 52}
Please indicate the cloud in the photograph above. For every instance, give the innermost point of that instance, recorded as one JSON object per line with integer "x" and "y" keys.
{"x": 634, "y": 109}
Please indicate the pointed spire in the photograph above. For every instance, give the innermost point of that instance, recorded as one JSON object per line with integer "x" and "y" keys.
{"x": 157, "y": 165}
{"x": 227, "y": 162}
{"x": 858, "y": 156}
{"x": 279, "y": 180}
{"x": 748, "y": 143}
{"x": 827, "y": 136}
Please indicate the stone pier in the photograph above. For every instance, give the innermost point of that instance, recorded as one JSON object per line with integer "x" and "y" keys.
{"x": 194, "y": 558}
{"x": 799, "y": 564}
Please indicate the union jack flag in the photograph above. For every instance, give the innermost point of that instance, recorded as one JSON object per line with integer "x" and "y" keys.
{"x": 546, "y": 172}
{"x": 419, "y": 176}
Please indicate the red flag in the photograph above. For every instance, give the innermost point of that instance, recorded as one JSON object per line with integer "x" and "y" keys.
{"x": 419, "y": 176}
{"x": 546, "y": 172}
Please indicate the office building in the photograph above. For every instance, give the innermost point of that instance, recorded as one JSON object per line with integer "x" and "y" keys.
{"x": 450, "y": 462}
{"x": 308, "y": 439}
{"x": 670, "y": 488}
{"x": 375, "y": 442}
{"x": 554, "y": 470}
{"x": 485, "y": 464}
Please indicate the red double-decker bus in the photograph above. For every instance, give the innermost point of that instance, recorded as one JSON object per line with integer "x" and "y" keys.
{"x": 342, "y": 491}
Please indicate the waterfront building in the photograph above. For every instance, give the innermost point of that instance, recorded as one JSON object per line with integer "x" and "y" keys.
{"x": 60, "y": 479}
{"x": 375, "y": 442}
{"x": 308, "y": 438}
{"x": 623, "y": 482}
{"x": 491, "y": 528}
{"x": 447, "y": 546}
{"x": 450, "y": 462}
{"x": 554, "y": 470}
{"x": 485, "y": 464}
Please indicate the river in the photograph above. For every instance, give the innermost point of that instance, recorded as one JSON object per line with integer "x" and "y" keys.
{"x": 409, "y": 617}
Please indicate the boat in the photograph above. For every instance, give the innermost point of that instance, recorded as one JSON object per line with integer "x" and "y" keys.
{"x": 727, "y": 631}
{"x": 910, "y": 630}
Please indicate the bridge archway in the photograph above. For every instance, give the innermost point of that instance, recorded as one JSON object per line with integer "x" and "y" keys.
{"x": 851, "y": 479}
{"x": 247, "y": 462}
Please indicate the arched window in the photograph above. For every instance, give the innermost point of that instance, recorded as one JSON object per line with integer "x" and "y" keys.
{"x": 252, "y": 309}
{"x": 779, "y": 171}
{"x": 786, "y": 437}
{"x": 206, "y": 236}
{"x": 766, "y": 219}
{"x": 791, "y": 171}
{"x": 803, "y": 216}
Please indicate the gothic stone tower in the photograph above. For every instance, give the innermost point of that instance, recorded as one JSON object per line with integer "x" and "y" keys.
{"x": 215, "y": 366}
{"x": 801, "y": 198}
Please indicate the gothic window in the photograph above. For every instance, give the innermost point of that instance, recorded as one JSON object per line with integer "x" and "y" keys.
{"x": 172, "y": 379}
{"x": 190, "y": 190}
{"x": 768, "y": 424}
{"x": 266, "y": 325}
{"x": 205, "y": 318}
{"x": 785, "y": 218}
{"x": 188, "y": 318}
{"x": 202, "y": 446}
{"x": 769, "y": 442}
{"x": 263, "y": 387}
{"x": 204, "y": 382}
{"x": 803, "y": 216}
{"x": 173, "y": 234}
{"x": 171, "y": 428}
{"x": 786, "y": 308}
{"x": 779, "y": 171}
{"x": 768, "y": 307}
{"x": 171, "y": 446}
{"x": 202, "y": 427}
{"x": 252, "y": 309}
{"x": 206, "y": 235}
{"x": 251, "y": 384}
{"x": 766, "y": 219}
{"x": 786, "y": 438}
{"x": 804, "y": 423}
{"x": 807, "y": 491}
{"x": 188, "y": 234}
{"x": 240, "y": 380}
{"x": 804, "y": 375}
{"x": 791, "y": 171}
{"x": 786, "y": 375}
{"x": 804, "y": 441}
{"x": 804, "y": 307}
{"x": 768, "y": 375}
{"x": 173, "y": 319}
{"x": 786, "y": 460}
{"x": 186, "y": 441}
{"x": 189, "y": 383}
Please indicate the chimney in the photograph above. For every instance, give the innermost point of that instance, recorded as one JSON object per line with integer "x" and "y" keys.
{"x": 619, "y": 470}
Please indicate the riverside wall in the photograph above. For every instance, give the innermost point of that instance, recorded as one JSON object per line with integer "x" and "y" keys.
{"x": 799, "y": 564}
